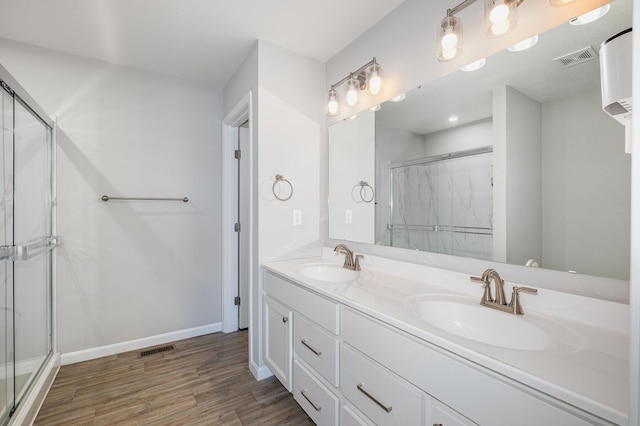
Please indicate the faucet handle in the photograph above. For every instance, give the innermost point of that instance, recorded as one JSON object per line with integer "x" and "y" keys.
{"x": 356, "y": 262}
{"x": 515, "y": 298}
{"x": 486, "y": 295}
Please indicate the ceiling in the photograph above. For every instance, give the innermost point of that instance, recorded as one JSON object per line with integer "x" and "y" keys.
{"x": 198, "y": 40}
{"x": 469, "y": 95}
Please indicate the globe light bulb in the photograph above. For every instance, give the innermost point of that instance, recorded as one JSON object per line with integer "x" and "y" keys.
{"x": 499, "y": 14}
{"x": 352, "y": 92}
{"x": 332, "y": 106}
{"x": 449, "y": 40}
{"x": 375, "y": 83}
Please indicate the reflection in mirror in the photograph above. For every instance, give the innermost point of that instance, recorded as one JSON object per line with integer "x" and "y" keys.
{"x": 532, "y": 172}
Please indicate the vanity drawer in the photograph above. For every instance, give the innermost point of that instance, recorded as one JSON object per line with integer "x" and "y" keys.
{"x": 381, "y": 395}
{"x": 315, "y": 307}
{"x": 458, "y": 383}
{"x": 350, "y": 416}
{"x": 316, "y": 400}
{"x": 317, "y": 348}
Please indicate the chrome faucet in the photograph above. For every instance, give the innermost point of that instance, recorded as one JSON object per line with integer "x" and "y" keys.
{"x": 500, "y": 303}
{"x": 350, "y": 261}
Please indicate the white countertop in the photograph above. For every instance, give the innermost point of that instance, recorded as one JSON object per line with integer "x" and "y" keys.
{"x": 590, "y": 371}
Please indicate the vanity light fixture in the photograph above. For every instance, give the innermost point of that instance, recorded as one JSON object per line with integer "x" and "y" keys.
{"x": 475, "y": 65}
{"x": 500, "y": 17}
{"x": 525, "y": 44}
{"x": 590, "y": 16}
{"x": 369, "y": 76}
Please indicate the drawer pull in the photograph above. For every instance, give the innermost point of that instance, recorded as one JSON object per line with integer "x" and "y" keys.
{"x": 373, "y": 398}
{"x": 304, "y": 342}
{"x": 315, "y": 407}
{"x": 285, "y": 319}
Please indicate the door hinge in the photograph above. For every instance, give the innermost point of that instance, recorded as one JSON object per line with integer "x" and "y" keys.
{"x": 236, "y": 227}
{"x": 236, "y": 301}
{"x": 237, "y": 154}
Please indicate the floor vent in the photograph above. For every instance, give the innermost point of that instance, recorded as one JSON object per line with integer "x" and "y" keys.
{"x": 156, "y": 350}
{"x": 578, "y": 57}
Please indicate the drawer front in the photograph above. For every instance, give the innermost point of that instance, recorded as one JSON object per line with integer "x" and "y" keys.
{"x": 461, "y": 385}
{"x": 351, "y": 417}
{"x": 443, "y": 415}
{"x": 317, "y": 348}
{"x": 315, "y": 307}
{"x": 381, "y": 395}
{"x": 318, "y": 401}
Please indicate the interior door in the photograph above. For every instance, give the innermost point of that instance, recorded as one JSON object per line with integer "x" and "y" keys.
{"x": 244, "y": 270}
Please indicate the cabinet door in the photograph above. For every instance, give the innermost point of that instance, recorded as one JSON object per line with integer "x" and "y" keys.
{"x": 278, "y": 348}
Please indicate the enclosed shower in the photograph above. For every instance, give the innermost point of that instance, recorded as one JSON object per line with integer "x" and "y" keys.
{"x": 26, "y": 233}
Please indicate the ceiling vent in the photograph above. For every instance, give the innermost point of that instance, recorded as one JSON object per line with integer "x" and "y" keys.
{"x": 578, "y": 57}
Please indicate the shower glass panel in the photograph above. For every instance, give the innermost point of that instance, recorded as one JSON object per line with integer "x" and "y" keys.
{"x": 31, "y": 226}
{"x": 26, "y": 226}
{"x": 6, "y": 268}
{"x": 443, "y": 204}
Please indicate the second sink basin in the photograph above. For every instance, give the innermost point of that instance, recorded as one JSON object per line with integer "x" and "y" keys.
{"x": 465, "y": 317}
{"x": 331, "y": 272}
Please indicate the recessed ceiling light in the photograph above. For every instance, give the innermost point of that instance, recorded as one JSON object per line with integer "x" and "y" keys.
{"x": 398, "y": 98}
{"x": 453, "y": 118}
{"x": 524, "y": 44}
{"x": 474, "y": 65}
{"x": 590, "y": 16}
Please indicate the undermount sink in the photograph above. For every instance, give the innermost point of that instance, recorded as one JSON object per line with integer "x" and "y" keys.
{"x": 332, "y": 272}
{"x": 465, "y": 317}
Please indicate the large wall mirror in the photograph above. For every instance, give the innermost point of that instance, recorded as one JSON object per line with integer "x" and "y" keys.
{"x": 515, "y": 162}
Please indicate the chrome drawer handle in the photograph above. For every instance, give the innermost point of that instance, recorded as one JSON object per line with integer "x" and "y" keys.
{"x": 315, "y": 407}
{"x": 304, "y": 342}
{"x": 373, "y": 398}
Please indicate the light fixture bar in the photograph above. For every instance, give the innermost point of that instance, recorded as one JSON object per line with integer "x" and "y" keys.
{"x": 461, "y": 6}
{"x": 356, "y": 73}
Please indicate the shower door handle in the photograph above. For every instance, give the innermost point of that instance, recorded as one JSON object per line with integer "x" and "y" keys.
{"x": 22, "y": 252}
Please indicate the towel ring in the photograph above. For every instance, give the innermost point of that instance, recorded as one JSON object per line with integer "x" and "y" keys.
{"x": 362, "y": 194}
{"x": 280, "y": 178}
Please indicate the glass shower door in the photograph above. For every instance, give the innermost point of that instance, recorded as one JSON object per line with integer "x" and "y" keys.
{"x": 26, "y": 176}
{"x": 6, "y": 267}
{"x": 31, "y": 235}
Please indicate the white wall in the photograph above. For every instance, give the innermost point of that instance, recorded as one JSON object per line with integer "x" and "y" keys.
{"x": 289, "y": 135}
{"x": 516, "y": 177}
{"x": 634, "y": 352}
{"x": 578, "y": 239}
{"x": 129, "y": 270}
{"x": 478, "y": 134}
{"x": 352, "y": 148}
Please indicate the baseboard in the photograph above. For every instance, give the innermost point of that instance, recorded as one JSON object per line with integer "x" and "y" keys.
{"x": 260, "y": 373}
{"x": 132, "y": 345}
{"x": 29, "y": 407}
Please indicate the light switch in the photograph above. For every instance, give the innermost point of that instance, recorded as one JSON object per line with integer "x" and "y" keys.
{"x": 348, "y": 216}
{"x": 297, "y": 217}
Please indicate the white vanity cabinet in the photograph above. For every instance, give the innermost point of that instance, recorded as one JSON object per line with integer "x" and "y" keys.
{"x": 346, "y": 367}
{"x": 277, "y": 351}
{"x": 313, "y": 348}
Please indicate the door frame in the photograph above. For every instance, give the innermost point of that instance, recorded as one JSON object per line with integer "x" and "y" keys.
{"x": 232, "y": 121}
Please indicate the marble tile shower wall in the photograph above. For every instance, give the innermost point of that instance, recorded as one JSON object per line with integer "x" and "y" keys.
{"x": 444, "y": 206}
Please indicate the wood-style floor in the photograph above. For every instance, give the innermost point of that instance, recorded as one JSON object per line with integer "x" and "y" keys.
{"x": 203, "y": 381}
